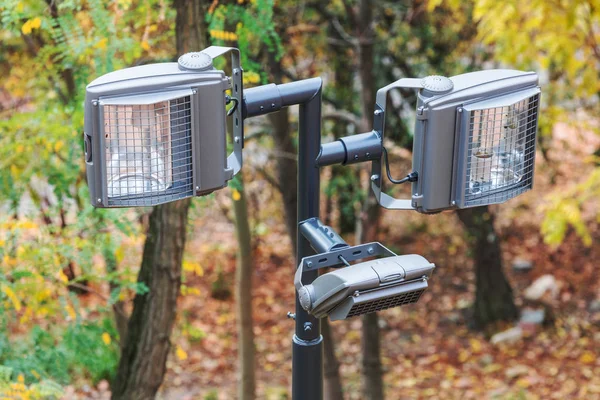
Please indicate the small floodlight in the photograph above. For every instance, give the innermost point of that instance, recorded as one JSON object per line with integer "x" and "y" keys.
{"x": 474, "y": 142}
{"x": 157, "y": 133}
{"x": 361, "y": 288}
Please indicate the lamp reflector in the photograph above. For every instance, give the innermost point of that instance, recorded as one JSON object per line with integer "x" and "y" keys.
{"x": 148, "y": 152}
{"x": 500, "y": 149}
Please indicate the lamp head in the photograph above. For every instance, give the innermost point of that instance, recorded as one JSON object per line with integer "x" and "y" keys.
{"x": 366, "y": 287}
{"x": 157, "y": 133}
{"x": 474, "y": 142}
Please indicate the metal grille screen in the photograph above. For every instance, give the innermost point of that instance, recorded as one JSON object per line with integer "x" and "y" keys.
{"x": 384, "y": 304}
{"x": 148, "y": 152}
{"x": 501, "y": 152}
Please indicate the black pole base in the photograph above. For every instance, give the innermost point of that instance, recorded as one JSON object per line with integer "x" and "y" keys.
{"x": 307, "y": 369}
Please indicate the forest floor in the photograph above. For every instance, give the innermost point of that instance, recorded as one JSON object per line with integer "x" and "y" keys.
{"x": 428, "y": 349}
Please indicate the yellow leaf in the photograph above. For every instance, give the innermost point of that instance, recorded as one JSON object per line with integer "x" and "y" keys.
{"x": 475, "y": 345}
{"x": 120, "y": 254}
{"x": 101, "y": 44}
{"x": 432, "y": 4}
{"x": 193, "y": 267}
{"x": 106, "y": 338}
{"x": 20, "y": 149}
{"x": 145, "y": 45}
{"x": 21, "y": 378}
{"x": 30, "y": 25}
{"x": 70, "y": 311}
{"x": 20, "y": 6}
{"x": 12, "y": 297}
{"x": 26, "y": 28}
{"x": 64, "y": 278}
{"x": 180, "y": 353}
{"x": 235, "y": 195}
{"x": 36, "y": 23}
{"x": 463, "y": 356}
{"x": 587, "y": 357}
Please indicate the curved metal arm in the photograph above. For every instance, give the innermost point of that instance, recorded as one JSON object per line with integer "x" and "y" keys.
{"x": 235, "y": 159}
{"x": 384, "y": 199}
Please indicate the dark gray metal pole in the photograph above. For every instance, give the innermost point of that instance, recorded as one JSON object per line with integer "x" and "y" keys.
{"x": 307, "y": 343}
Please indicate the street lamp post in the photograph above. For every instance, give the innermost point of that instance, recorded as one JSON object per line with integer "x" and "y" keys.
{"x": 157, "y": 133}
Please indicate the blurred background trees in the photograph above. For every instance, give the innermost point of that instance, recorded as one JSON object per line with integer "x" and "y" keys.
{"x": 92, "y": 296}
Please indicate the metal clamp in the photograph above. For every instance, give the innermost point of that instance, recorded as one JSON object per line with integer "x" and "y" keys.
{"x": 235, "y": 159}
{"x": 336, "y": 258}
{"x": 384, "y": 199}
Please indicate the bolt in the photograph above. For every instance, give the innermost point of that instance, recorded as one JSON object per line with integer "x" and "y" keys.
{"x": 370, "y": 250}
{"x": 309, "y": 264}
{"x": 99, "y": 200}
{"x": 453, "y": 202}
{"x": 291, "y": 315}
{"x": 356, "y": 156}
{"x": 95, "y": 102}
{"x": 237, "y": 139}
{"x": 194, "y": 91}
{"x": 307, "y": 326}
{"x": 378, "y": 112}
{"x": 460, "y": 110}
{"x": 368, "y": 155}
{"x": 237, "y": 72}
{"x": 262, "y": 108}
{"x": 197, "y": 187}
{"x": 355, "y": 294}
{"x": 272, "y": 105}
{"x": 374, "y": 177}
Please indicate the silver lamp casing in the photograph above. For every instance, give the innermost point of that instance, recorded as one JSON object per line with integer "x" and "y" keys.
{"x": 367, "y": 287}
{"x": 157, "y": 133}
{"x": 474, "y": 139}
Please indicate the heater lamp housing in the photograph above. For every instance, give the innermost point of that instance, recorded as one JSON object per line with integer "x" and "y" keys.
{"x": 474, "y": 139}
{"x": 157, "y": 133}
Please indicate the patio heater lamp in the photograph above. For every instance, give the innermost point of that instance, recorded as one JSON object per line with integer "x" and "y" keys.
{"x": 157, "y": 133}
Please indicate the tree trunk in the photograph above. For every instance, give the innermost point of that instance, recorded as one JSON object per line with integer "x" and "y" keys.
{"x": 493, "y": 294}
{"x": 368, "y": 223}
{"x": 332, "y": 384}
{"x": 143, "y": 357}
{"x": 243, "y": 298}
{"x": 287, "y": 168}
{"x": 191, "y": 30}
{"x": 143, "y": 360}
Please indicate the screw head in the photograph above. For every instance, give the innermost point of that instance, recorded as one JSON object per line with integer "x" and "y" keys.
{"x": 378, "y": 112}
{"x": 95, "y": 103}
{"x": 99, "y": 200}
{"x": 356, "y": 294}
{"x": 307, "y": 326}
{"x": 370, "y": 250}
{"x": 197, "y": 187}
{"x": 309, "y": 264}
{"x": 374, "y": 177}
{"x": 237, "y": 139}
{"x": 453, "y": 202}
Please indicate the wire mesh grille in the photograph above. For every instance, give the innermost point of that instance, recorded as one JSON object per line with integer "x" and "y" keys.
{"x": 385, "y": 303}
{"x": 501, "y": 152}
{"x": 148, "y": 152}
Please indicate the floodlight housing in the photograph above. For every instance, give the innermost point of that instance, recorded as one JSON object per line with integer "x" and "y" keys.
{"x": 157, "y": 133}
{"x": 474, "y": 139}
{"x": 365, "y": 287}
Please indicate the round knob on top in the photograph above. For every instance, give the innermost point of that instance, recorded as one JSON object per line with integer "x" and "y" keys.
{"x": 434, "y": 85}
{"x": 195, "y": 61}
